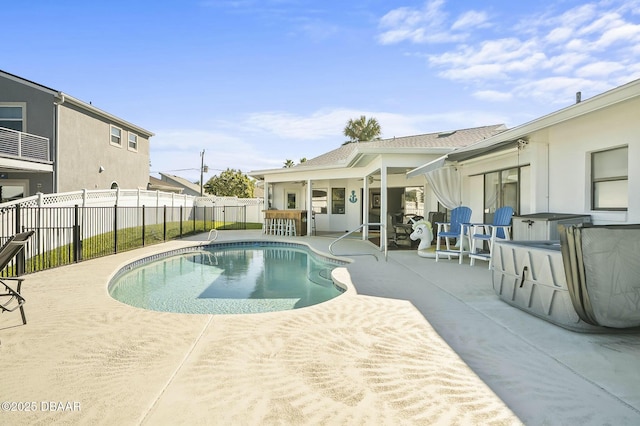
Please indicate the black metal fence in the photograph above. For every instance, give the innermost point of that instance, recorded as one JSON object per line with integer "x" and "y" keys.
{"x": 65, "y": 235}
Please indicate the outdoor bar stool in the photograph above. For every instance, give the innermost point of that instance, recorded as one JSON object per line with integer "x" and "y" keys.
{"x": 273, "y": 226}
{"x": 291, "y": 227}
{"x": 266, "y": 226}
{"x": 280, "y": 227}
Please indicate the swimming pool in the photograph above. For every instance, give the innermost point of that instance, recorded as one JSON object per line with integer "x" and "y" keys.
{"x": 228, "y": 278}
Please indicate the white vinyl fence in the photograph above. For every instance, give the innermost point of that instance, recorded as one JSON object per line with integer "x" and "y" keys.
{"x": 102, "y": 221}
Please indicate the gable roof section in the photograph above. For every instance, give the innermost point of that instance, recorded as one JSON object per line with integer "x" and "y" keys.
{"x": 439, "y": 142}
{"x": 160, "y": 185}
{"x": 179, "y": 181}
{"x": 509, "y": 138}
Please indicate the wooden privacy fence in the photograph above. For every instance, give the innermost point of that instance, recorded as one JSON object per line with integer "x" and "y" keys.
{"x": 65, "y": 235}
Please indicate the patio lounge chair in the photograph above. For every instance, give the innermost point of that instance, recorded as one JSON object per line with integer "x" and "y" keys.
{"x": 11, "y": 299}
{"x": 481, "y": 233}
{"x": 457, "y": 228}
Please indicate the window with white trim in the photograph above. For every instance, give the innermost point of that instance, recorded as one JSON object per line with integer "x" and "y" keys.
{"x": 610, "y": 179}
{"x": 319, "y": 201}
{"x": 502, "y": 188}
{"x": 133, "y": 141}
{"x": 116, "y": 136}
{"x": 12, "y": 117}
{"x": 338, "y": 200}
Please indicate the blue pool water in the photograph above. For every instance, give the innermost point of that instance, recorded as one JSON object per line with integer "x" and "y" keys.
{"x": 227, "y": 279}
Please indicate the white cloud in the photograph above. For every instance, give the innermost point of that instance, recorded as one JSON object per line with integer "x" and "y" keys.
{"x": 426, "y": 25}
{"x": 319, "y": 125}
{"x": 600, "y": 69}
{"x": 475, "y": 72}
{"x": 559, "y": 35}
{"x": 566, "y": 63}
{"x": 494, "y": 59}
{"x": 558, "y": 90}
{"x": 577, "y": 16}
{"x": 622, "y": 33}
{"x": 471, "y": 19}
{"x": 493, "y": 96}
{"x": 547, "y": 56}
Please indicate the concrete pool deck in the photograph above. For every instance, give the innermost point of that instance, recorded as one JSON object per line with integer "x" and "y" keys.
{"x": 420, "y": 343}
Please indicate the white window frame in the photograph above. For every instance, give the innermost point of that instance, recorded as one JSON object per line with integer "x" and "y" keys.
{"x": 339, "y": 205}
{"x": 24, "y": 183}
{"x": 296, "y": 195}
{"x": 111, "y": 136}
{"x": 23, "y": 106}
{"x": 135, "y": 142}
{"x": 318, "y": 204}
{"x": 609, "y": 179}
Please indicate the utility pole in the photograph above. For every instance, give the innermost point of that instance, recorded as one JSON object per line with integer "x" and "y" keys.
{"x": 201, "y": 172}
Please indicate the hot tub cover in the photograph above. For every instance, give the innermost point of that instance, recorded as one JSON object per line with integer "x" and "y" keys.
{"x": 602, "y": 267}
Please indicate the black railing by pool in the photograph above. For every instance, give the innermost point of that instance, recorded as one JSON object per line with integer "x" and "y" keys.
{"x": 65, "y": 235}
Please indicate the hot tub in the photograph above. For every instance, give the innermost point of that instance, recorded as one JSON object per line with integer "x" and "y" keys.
{"x": 530, "y": 275}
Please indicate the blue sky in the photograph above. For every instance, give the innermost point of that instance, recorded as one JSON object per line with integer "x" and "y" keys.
{"x": 254, "y": 83}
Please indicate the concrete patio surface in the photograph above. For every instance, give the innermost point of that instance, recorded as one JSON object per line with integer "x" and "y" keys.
{"x": 411, "y": 342}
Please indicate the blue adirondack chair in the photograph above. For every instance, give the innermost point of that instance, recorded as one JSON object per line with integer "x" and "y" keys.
{"x": 499, "y": 228}
{"x": 455, "y": 229}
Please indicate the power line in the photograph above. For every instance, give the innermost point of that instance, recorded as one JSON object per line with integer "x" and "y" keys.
{"x": 182, "y": 170}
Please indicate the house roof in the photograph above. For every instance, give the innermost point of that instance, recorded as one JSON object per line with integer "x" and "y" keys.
{"x": 448, "y": 140}
{"x": 62, "y": 97}
{"x": 160, "y": 185}
{"x": 511, "y": 138}
{"x": 179, "y": 181}
{"x": 436, "y": 143}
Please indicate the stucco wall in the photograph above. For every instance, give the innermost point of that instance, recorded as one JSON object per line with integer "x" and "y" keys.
{"x": 84, "y": 146}
{"x": 40, "y": 110}
{"x": 570, "y": 146}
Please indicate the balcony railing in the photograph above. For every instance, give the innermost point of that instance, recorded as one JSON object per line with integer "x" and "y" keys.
{"x": 23, "y": 146}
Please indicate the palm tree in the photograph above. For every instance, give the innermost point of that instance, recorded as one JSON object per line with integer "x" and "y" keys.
{"x": 362, "y": 130}
{"x": 288, "y": 163}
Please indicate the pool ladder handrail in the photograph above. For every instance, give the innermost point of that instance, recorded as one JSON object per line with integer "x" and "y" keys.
{"x": 209, "y": 239}
{"x": 384, "y": 232}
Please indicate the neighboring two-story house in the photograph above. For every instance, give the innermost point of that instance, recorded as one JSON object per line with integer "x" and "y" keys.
{"x": 53, "y": 142}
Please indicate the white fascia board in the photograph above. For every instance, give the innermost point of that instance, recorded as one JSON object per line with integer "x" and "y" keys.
{"x": 260, "y": 174}
{"x": 425, "y": 168}
{"x": 22, "y": 165}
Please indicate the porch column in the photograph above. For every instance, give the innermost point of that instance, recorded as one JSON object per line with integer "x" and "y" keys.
{"x": 365, "y": 207}
{"x": 383, "y": 206}
{"x": 309, "y": 207}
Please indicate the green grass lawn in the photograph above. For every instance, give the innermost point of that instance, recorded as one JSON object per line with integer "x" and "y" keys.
{"x": 127, "y": 239}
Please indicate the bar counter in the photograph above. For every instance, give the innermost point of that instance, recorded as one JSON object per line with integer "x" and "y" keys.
{"x": 298, "y": 216}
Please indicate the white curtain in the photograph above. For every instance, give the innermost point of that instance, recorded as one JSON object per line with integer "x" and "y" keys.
{"x": 445, "y": 183}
